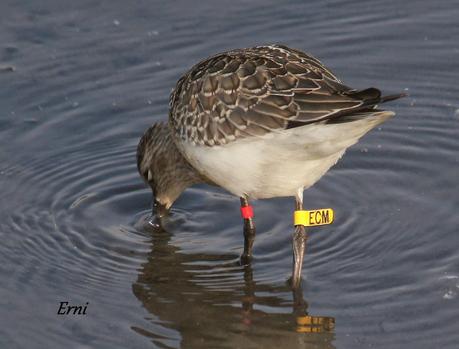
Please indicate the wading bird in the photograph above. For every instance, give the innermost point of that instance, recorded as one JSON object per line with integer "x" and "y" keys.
{"x": 260, "y": 122}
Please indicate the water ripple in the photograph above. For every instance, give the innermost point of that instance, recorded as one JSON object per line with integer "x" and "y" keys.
{"x": 85, "y": 80}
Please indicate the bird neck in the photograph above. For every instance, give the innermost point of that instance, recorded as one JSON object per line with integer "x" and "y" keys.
{"x": 177, "y": 174}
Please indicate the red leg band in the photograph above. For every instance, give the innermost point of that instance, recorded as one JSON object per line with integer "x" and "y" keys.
{"x": 247, "y": 212}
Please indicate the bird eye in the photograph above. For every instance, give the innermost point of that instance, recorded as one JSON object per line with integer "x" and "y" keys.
{"x": 149, "y": 175}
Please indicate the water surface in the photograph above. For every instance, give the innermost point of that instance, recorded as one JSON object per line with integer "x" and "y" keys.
{"x": 82, "y": 80}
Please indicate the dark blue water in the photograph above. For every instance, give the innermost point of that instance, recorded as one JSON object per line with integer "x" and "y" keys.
{"x": 81, "y": 81}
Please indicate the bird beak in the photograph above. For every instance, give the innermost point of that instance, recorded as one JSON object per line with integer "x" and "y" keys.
{"x": 159, "y": 209}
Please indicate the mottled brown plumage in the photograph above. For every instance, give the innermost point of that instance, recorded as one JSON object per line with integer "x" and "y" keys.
{"x": 254, "y": 91}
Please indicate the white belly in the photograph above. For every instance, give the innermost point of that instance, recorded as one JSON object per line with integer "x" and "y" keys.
{"x": 278, "y": 164}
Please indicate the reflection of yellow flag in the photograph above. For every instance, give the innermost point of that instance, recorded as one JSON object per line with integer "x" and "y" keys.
{"x": 314, "y": 217}
{"x": 314, "y": 324}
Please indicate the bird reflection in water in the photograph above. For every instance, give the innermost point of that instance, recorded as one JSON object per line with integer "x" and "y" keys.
{"x": 213, "y": 301}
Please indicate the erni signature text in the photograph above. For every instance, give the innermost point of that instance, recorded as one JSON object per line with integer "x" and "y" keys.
{"x": 66, "y": 309}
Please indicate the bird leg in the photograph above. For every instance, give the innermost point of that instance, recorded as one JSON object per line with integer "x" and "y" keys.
{"x": 299, "y": 245}
{"x": 249, "y": 230}
{"x": 300, "y": 306}
{"x": 248, "y": 300}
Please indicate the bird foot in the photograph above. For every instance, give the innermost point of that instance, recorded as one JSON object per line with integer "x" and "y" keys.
{"x": 294, "y": 284}
{"x": 245, "y": 259}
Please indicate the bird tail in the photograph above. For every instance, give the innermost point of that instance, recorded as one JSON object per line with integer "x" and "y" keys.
{"x": 393, "y": 97}
{"x": 372, "y": 96}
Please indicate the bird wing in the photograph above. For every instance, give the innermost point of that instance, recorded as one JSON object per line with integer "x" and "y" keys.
{"x": 252, "y": 92}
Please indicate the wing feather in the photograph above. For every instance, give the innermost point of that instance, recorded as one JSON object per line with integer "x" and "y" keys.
{"x": 255, "y": 91}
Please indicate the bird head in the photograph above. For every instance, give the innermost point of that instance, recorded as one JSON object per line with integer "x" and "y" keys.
{"x": 163, "y": 167}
